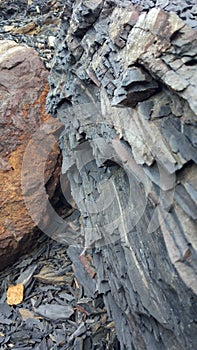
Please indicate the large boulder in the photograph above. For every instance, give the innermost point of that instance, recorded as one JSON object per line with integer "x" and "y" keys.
{"x": 23, "y": 89}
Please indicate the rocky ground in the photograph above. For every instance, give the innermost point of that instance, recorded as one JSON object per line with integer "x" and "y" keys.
{"x": 34, "y": 23}
{"x": 57, "y": 310}
{"x": 148, "y": 277}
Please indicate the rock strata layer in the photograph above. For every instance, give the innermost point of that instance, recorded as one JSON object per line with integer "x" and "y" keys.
{"x": 23, "y": 90}
{"x": 123, "y": 82}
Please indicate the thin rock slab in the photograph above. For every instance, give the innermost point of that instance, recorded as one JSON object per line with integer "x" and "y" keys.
{"x": 54, "y": 312}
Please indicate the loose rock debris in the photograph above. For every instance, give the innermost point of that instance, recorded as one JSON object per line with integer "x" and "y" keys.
{"x": 44, "y": 306}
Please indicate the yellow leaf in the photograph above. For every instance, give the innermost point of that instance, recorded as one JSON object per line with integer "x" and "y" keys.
{"x": 15, "y": 294}
{"x": 25, "y": 313}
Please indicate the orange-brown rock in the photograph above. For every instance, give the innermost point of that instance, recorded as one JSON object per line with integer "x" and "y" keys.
{"x": 23, "y": 88}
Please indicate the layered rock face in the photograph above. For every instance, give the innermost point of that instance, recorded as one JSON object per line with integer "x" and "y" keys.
{"x": 123, "y": 83}
{"x": 23, "y": 90}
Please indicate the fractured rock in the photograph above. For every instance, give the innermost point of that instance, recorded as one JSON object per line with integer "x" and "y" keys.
{"x": 128, "y": 103}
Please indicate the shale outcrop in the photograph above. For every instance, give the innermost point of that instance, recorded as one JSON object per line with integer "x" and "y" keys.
{"x": 124, "y": 85}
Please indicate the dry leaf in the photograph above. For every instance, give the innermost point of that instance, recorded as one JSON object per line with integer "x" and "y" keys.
{"x": 25, "y": 313}
{"x": 15, "y": 294}
{"x": 86, "y": 261}
{"x": 110, "y": 325}
{"x": 49, "y": 275}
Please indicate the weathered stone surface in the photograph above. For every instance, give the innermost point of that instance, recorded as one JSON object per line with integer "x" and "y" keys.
{"x": 128, "y": 103}
{"x": 23, "y": 89}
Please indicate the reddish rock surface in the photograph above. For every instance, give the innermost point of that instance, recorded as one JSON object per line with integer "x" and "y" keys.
{"x": 23, "y": 89}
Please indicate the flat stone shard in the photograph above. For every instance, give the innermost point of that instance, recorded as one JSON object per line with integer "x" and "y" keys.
{"x": 55, "y": 312}
{"x": 23, "y": 90}
{"x": 129, "y": 147}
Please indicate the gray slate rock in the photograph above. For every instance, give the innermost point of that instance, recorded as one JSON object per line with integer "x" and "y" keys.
{"x": 128, "y": 104}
